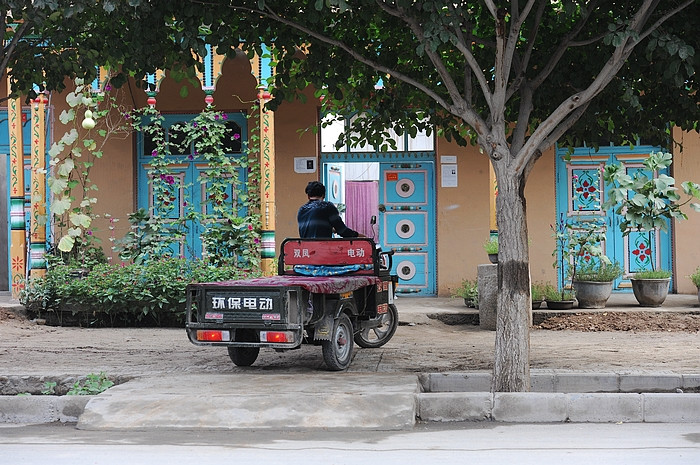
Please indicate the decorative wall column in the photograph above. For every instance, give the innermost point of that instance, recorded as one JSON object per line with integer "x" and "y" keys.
{"x": 153, "y": 81}
{"x": 18, "y": 242}
{"x": 213, "y": 64}
{"x": 37, "y": 217}
{"x": 492, "y": 197}
{"x": 267, "y": 183}
{"x": 262, "y": 70}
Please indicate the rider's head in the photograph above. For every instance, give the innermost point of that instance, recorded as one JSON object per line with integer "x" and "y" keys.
{"x": 315, "y": 189}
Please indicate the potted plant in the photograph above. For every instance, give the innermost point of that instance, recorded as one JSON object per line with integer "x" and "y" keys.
{"x": 555, "y": 298}
{"x": 695, "y": 277}
{"x": 592, "y": 272}
{"x": 593, "y": 282}
{"x": 537, "y": 294}
{"x": 558, "y": 300}
{"x": 645, "y": 204}
{"x": 469, "y": 291}
{"x": 491, "y": 248}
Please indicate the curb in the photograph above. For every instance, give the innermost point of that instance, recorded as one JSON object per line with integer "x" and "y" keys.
{"x": 464, "y": 397}
{"x": 42, "y": 409}
{"x": 536, "y": 407}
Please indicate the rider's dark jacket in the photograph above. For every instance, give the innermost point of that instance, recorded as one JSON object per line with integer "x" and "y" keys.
{"x": 318, "y": 219}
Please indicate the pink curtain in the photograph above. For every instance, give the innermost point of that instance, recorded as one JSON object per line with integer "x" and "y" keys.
{"x": 361, "y": 203}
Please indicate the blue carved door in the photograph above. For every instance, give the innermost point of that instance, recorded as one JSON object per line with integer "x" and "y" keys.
{"x": 407, "y": 224}
{"x": 188, "y": 185}
{"x": 581, "y": 193}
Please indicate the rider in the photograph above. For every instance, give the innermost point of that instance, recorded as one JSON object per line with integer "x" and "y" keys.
{"x": 318, "y": 218}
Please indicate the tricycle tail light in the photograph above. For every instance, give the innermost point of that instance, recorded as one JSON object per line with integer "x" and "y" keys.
{"x": 277, "y": 336}
{"x": 213, "y": 335}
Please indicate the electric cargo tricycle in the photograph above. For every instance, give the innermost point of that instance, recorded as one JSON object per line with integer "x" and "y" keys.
{"x": 328, "y": 292}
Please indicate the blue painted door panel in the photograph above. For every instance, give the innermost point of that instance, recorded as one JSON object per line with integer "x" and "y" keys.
{"x": 581, "y": 193}
{"x": 189, "y": 188}
{"x": 407, "y": 224}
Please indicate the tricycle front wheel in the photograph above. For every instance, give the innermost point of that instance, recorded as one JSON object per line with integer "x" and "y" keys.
{"x": 244, "y": 356}
{"x": 337, "y": 353}
{"x": 371, "y": 338}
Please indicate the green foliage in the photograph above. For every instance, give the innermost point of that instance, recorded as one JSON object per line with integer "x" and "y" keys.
{"x": 695, "y": 277}
{"x": 538, "y": 291}
{"x": 57, "y": 40}
{"x": 229, "y": 236}
{"x": 469, "y": 290}
{"x": 89, "y": 122}
{"x": 491, "y": 246}
{"x": 645, "y": 202}
{"x": 552, "y": 293}
{"x": 578, "y": 247}
{"x": 147, "y": 237}
{"x": 93, "y": 384}
{"x": 653, "y": 274}
{"x": 49, "y": 388}
{"x": 130, "y": 294}
{"x": 598, "y": 271}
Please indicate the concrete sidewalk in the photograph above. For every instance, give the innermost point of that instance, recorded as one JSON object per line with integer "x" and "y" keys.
{"x": 376, "y": 401}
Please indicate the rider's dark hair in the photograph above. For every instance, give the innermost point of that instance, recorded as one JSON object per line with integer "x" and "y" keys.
{"x": 315, "y": 189}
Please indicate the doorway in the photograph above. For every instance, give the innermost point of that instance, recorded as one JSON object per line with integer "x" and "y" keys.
{"x": 581, "y": 194}
{"x": 400, "y": 195}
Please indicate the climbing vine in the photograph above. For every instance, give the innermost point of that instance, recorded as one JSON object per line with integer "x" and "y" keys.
{"x": 90, "y": 123}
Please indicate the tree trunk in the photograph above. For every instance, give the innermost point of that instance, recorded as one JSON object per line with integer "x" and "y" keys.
{"x": 511, "y": 371}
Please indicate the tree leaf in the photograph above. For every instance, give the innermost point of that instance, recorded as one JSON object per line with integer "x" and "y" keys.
{"x": 66, "y": 244}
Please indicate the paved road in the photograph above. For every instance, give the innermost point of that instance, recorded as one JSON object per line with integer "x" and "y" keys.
{"x": 482, "y": 443}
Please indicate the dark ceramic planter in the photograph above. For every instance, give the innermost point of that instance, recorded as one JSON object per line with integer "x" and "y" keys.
{"x": 560, "y": 304}
{"x": 493, "y": 257}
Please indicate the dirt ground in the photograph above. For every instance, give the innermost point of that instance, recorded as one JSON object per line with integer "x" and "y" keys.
{"x": 604, "y": 342}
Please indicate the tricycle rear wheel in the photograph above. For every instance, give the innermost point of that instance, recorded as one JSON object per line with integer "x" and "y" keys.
{"x": 371, "y": 338}
{"x": 337, "y": 353}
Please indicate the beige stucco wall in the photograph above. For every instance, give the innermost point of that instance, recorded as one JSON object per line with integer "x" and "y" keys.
{"x": 686, "y": 234}
{"x": 541, "y": 213}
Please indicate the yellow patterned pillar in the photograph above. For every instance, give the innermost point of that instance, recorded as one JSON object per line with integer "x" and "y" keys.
{"x": 492, "y": 207}
{"x": 37, "y": 217}
{"x": 267, "y": 182}
{"x": 18, "y": 242}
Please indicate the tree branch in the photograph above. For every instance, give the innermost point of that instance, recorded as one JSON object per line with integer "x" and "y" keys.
{"x": 9, "y": 50}
{"x": 522, "y": 65}
{"x": 563, "y": 45}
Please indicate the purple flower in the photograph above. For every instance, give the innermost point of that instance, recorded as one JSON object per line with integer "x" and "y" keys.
{"x": 184, "y": 204}
{"x": 108, "y": 88}
{"x": 88, "y": 232}
{"x": 216, "y": 117}
{"x": 224, "y": 116}
{"x": 236, "y": 136}
{"x": 154, "y": 153}
{"x": 194, "y": 124}
{"x": 190, "y": 157}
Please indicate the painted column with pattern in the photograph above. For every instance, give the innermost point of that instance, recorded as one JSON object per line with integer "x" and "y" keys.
{"x": 37, "y": 218}
{"x": 18, "y": 241}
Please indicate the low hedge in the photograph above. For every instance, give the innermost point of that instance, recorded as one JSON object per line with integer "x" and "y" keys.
{"x": 150, "y": 294}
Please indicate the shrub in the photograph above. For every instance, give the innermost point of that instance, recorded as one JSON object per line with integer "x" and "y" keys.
{"x": 652, "y": 274}
{"x": 600, "y": 272}
{"x": 469, "y": 291}
{"x": 152, "y": 293}
{"x": 491, "y": 246}
{"x": 695, "y": 277}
